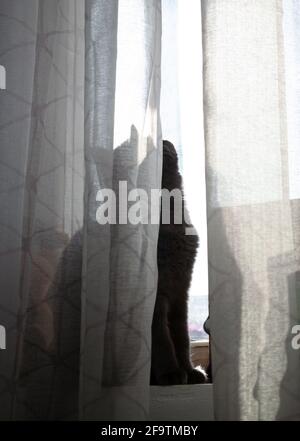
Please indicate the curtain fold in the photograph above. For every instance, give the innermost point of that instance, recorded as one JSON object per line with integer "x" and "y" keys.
{"x": 42, "y": 168}
{"x": 123, "y": 144}
{"x": 252, "y": 229}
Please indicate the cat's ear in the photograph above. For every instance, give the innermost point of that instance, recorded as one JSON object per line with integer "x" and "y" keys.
{"x": 169, "y": 147}
{"x": 169, "y": 152}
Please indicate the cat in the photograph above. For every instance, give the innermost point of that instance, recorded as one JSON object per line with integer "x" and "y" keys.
{"x": 176, "y": 255}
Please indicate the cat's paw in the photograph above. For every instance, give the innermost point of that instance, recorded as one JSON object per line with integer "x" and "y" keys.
{"x": 178, "y": 376}
{"x": 197, "y": 376}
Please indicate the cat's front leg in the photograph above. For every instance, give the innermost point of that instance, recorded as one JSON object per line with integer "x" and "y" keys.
{"x": 181, "y": 342}
{"x": 164, "y": 367}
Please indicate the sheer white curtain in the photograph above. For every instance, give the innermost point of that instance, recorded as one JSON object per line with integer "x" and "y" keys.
{"x": 251, "y": 93}
{"x": 80, "y": 112}
{"x": 122, "y": 142}
{"x": 42, "y": 168}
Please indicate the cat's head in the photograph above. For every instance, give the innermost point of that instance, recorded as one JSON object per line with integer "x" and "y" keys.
{"x": 170, "y": 173}
{"x": 170, "y": 158}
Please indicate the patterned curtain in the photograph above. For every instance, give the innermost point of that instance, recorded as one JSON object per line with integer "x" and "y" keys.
{"x": 76, "y": 298}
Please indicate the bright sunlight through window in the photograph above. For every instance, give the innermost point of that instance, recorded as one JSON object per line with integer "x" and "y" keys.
{"x": 182, "y": 124}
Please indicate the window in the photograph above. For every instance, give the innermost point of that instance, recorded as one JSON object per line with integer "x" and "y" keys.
{"x": 182, "y": 124}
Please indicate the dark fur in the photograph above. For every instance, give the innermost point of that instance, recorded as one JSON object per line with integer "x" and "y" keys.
{"x": 175, "y": 255}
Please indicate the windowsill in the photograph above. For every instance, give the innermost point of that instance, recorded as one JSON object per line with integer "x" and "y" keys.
{"x": 200, "y": 353}
{"x": 185, "y": 402}
{"x": 199, "y": 343}
{"x": 182, "y": 403}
